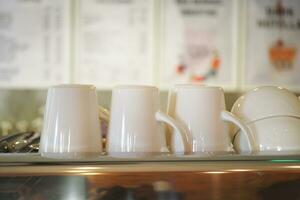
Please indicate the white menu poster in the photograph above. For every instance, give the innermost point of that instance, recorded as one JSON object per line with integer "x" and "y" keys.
{"x": 114, "y": 42}
{"x": 273, "y": 43}
{"x": 34, "y": 42}
{"x": 198, "y": 42}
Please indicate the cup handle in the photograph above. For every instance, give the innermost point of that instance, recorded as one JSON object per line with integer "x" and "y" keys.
{"x": 184, "y": 133}
{"x": 103, "y": 114}
{"x": 229, "y": 117}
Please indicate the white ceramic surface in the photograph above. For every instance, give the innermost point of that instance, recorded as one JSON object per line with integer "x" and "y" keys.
{"x": 134, "y": 123}
{"x": 272, "y": 134}
{"x": 266, "y": 101}
{"x": 202, "y": 110}
{"x": 71, "y": 124}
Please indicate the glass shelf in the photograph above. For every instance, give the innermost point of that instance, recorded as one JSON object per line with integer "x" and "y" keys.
{"x": 190, "y": 177}
{"x": 36, "y": 158}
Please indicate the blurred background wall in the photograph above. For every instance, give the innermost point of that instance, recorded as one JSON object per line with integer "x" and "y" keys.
{"x": 235, "y": 44}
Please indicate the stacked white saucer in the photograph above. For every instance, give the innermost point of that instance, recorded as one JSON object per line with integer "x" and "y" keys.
{"x": 273, "y": 116}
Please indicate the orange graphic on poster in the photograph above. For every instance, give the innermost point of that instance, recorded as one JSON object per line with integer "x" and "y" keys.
{"x": 282, "y": 57}
{"x": 214, "y": 67}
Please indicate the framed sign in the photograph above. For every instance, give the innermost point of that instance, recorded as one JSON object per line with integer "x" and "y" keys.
{"x": 114, "y": 42}
{"x": 198, "y": 42}
{"x": 34, "y": 43}
{"x": 273, "y": 43}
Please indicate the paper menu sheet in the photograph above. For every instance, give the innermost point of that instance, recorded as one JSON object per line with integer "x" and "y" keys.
{"x": 198, "y": 42}
{"x": 34, "y": 42}
{"x": 114, "y": 42}
{"x": 273, "y": 43}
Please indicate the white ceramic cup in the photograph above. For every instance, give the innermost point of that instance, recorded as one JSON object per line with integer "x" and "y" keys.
{"x": 266, "y": 101}
{"x": 202, "y": 110}
{"x": 278, "y": 134}
{"x": 134, "y": 123}
{"x": 71, "y": 126}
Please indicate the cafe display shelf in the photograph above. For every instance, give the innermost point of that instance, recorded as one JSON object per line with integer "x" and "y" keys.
{"x": 187, "y": 177}
{"x": 36, "y": 158}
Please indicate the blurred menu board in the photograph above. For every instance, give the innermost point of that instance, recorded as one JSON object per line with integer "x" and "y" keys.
{"x": 198, "y": 42}
{"x": 273, "y": 43}
{"x": 34, "y": 42}
{"x": 114, "y": 41}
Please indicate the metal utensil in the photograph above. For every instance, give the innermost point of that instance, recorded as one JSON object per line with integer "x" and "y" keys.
{"x": 12, "y": 143}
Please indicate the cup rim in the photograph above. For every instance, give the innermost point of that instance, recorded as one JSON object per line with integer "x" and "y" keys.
{"x": 135, "y": 87}
{"x": 272, "y": 117}
{"x": 70, "y": 86}
{"x": 272, "y": 87}
{"x": 236, "y": 131}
